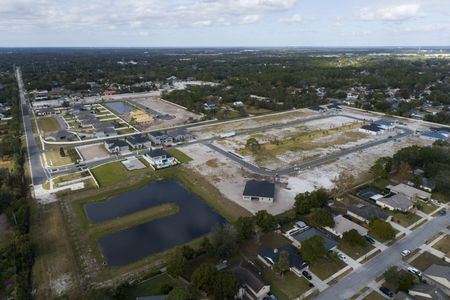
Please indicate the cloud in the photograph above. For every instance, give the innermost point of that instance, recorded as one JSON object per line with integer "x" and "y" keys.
{"x": 397, "y": 13}
{"x": 294, "y": 19}
{"x": 250, "y": 19}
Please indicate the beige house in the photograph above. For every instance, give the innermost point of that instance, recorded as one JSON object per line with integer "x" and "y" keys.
{"x": 343, "y": 225}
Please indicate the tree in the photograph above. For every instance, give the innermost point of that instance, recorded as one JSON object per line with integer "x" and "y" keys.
{"x": 224, "y": 240}
{"x": 322, "y": 217}
{"x": 175, "y": 262}
{"x": 404, "y": 171}
{"x": 282, "y": 265}
{"x": 204, "y": 276}
{"x": 244, "y": 227}
{"x": 253, "y": 145}
{"x": 382, "y": 167}
{"x": 178, "y": 294}
{"x": 188, "y": 252}
{"x": 304, "y": 202}
{"x": 265, "y": 220}
{"x": 381, "y": 229}
{"x": 61, "y": 152}
{"x": 353, "y": 238}
{"x": 225, "y": 286}
{"x": 399, "y": 279}
{"x": 343, "y": 183}
{"x": 313, "y": 248}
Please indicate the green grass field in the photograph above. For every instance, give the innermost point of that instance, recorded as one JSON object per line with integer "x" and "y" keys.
{"x": 48, "y": 124}
{"x": 152, "y": 286}
{"x": 403, "y": 219}
{"x": 110, "y": 174}
{"x": 325, "y": 267}
{"x": 182, "y": 157}
{"x": 355, "y": 252}
{"x": 426, "y": 259}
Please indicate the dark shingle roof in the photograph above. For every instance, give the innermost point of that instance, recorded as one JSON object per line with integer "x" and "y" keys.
{"x": 137, "y": 139}
{"x": 254, "y": 188}
{"x": 372, "y": 127}
{"x": 158, "y": 152}
{"x": 368, "y": 211}
{"x": 248, "y": 275}
{"x": 117, "y": 143}
{"x": 311, "y": 232}
{"x": 295, "y": 259}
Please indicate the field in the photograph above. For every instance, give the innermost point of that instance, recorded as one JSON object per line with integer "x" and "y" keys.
{"x": 325, "y": 267}
{"x": 180, "y": 156}
{"x": 374, "y": 296}
{"x": 110, "y": 174}
{"x": 290, "y": 286}
{"x": 91, "y": 152}
{"x": 403, "y": 219}
{"x": 54, "y": 158}
{"x": 48, "y": 124}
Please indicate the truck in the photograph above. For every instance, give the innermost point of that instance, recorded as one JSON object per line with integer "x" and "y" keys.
{"x": 227, "y": 134}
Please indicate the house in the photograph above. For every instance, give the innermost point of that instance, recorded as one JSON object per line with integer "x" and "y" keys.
{"x": 171, "y": 79}
{"x": 434, "y": 135}
{"x": 343, "y": 225}
{"x": 181, "y": 135}
{"x": 160, "y": 159}
{"x": 262, "y": 191}
{"x": 366, "y": 212}
{"x": 251, "y": 284}
{"x": 424, "y": 291}
{"x": 46, "y": 111}
{"x": 116, "y": 146}
{"x": 160, "y": 138}
{"x": 300, "y": 236}
{"x": 409, "y": 191}
{"x": 61, "y": 135}
{"x": 427, "y": 184}
{"x": 371, "y": 129}
{"x": 440, "y": 276}
{"x": 385, "y": 124}
{"x": 269, "y": 257}
{"x": 396, "y": 202}
{"x": 138, "y": 141}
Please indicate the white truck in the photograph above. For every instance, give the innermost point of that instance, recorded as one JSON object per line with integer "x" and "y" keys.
{"x": 228, "y": 134}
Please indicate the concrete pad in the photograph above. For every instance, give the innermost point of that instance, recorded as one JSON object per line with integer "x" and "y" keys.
{"x": 93, "y": 152}
{"x": 133, "y": 163}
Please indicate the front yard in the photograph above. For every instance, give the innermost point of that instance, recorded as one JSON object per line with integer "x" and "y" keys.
{"x": 327, "y": 266}
{"x": 443, "y": 245}
{"x": 426, "y": 259}
{"x": 290, "y": 286}
{"x": 48, "y": 124}
{"x": 404, "y": 219}
{"x": 355, "y": 252}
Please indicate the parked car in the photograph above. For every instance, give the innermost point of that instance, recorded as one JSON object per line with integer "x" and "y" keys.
{"x": 442, "y": 212}
{"x": 414, "y": 271}
{"x": 405, "y": 252}
{"x": 307, "y": 275}
{"x": 342, "y": 257}
{"x": 386, "y": 291}
{"x": 370, "y": 240}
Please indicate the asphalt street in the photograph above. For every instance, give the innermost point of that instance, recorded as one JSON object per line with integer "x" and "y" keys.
{"x": 362, "y": 276}
{"x": 38, "y": 173}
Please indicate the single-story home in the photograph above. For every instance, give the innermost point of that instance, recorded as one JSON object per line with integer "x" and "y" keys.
{"x": 160, "y": 159}
{"x": 434, "y": 135}
{"x": 343, "y": 224}
{"x": 385, "y": 124}
{"x": 424, "y": 291}
{"x": 366, "y": 212}
{"x": 396, "y": 202}
{"x": 252, "y": 285}
{"x": 300, "y": 236}
{"x": 411, "y": 192}
{"x": 46, "y": 111}
{"x": 61, "y": 135}
{"x": 139, "y": 141}
{"x": 262, "y": 191}
{"x": 116, "y": 146}
{"x": 270, "y": 256}
{"x": 371, "y": 129}
{"x": 160, "y": 138}
{"x": 440, "y": 276}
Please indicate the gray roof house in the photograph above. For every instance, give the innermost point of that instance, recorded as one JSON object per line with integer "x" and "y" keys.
{"x": 251, "y": 283}
{"x": 138, "y": 141}
{"x": 255, "y": 190}
{"x": 116, "y": 146}
{"x": 270, "y": 256}
{"x": 301, "y": 236}
{"x": 366, "y": 212}
{"x": 160, "y": 138}
{"x": 439, "y": 275}
{"x": 396, "y": 202}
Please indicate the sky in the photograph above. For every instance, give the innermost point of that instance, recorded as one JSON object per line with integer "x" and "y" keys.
{"x": 224, "y": 23}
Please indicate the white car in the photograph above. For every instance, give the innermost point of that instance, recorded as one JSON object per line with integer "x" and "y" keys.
{"x": 414, "y": 271}
{"x": 342, "y": 257}
{"x": 405, "y": 252}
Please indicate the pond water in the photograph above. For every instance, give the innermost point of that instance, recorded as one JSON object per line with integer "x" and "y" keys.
{"x": 120, "y": 107}
{"x": 194, "y": 219}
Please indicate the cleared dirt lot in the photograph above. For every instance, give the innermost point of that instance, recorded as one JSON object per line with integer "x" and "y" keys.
{"x": 92, "y": 152}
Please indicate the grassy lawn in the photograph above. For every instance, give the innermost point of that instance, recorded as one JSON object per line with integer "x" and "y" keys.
{"x": 426, "y": 259}
{"x": 375, "y": 236}
{"x": 181, "y": 156}
{"x": 126, "y": 130}
{"x": 110, "y": 174}
{"x": 152, "y": 286}
{"x": 427, "y": 207}
{"x": 290, "y": 286}
{"x": 54, "y": 158}
{"x": 443, "y": 245}
{"x": 355, "y": 252}
{"x": 325, "y": 267}
{"x": 48, "y": 124}
{"x": 403, "y": 219}
{"x": 441, "y": 197}
{"x": 374, "y": 296}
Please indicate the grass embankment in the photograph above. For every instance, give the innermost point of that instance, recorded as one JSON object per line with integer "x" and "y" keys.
{"x": 48, "y": 124}
{"x": 306, "y": 141}
{"x": 180, "y": 156}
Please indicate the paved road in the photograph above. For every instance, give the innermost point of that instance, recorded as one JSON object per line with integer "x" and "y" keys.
{"x": 360, "y": 278}
{"x": 38, "y": 173}
{"x": 313, "y": 163}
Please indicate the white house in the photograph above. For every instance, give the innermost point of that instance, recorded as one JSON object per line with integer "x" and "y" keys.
{"x": 116, "y": 146}
{"x": 160, "y": 159}
{"x": 262, "y": 191}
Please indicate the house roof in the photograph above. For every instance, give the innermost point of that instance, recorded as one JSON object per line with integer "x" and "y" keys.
{"x": 248, "y": 275}
{"x": 438, "y": 271}
{"x": 368, "y": 211}
{"x": 272, "y": 255}
{"x": 432, "y": 291}
{"x": 158, "y": 152}
{"x": 116, "y": 143}
{"x": 159, "y": 134}
{"x": 409, "y": 191}
{"x": 137, "y": 139}
{"x": 383, "y": 122}
{"x": 343, "y": 225}
{"x": 310, "y": 232}
{"x": 397, "y": 201}
{"x": 434, "y": 135}
{"x": 254, "y": 188}
{"x": 372, "y": 127}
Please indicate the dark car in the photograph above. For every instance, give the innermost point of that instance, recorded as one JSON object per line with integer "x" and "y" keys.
{"x": 442, "y": 212}
{"x": 307, "y": 275}
{"x": 386, "y": 291}
{"x": 370, "y": 240}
